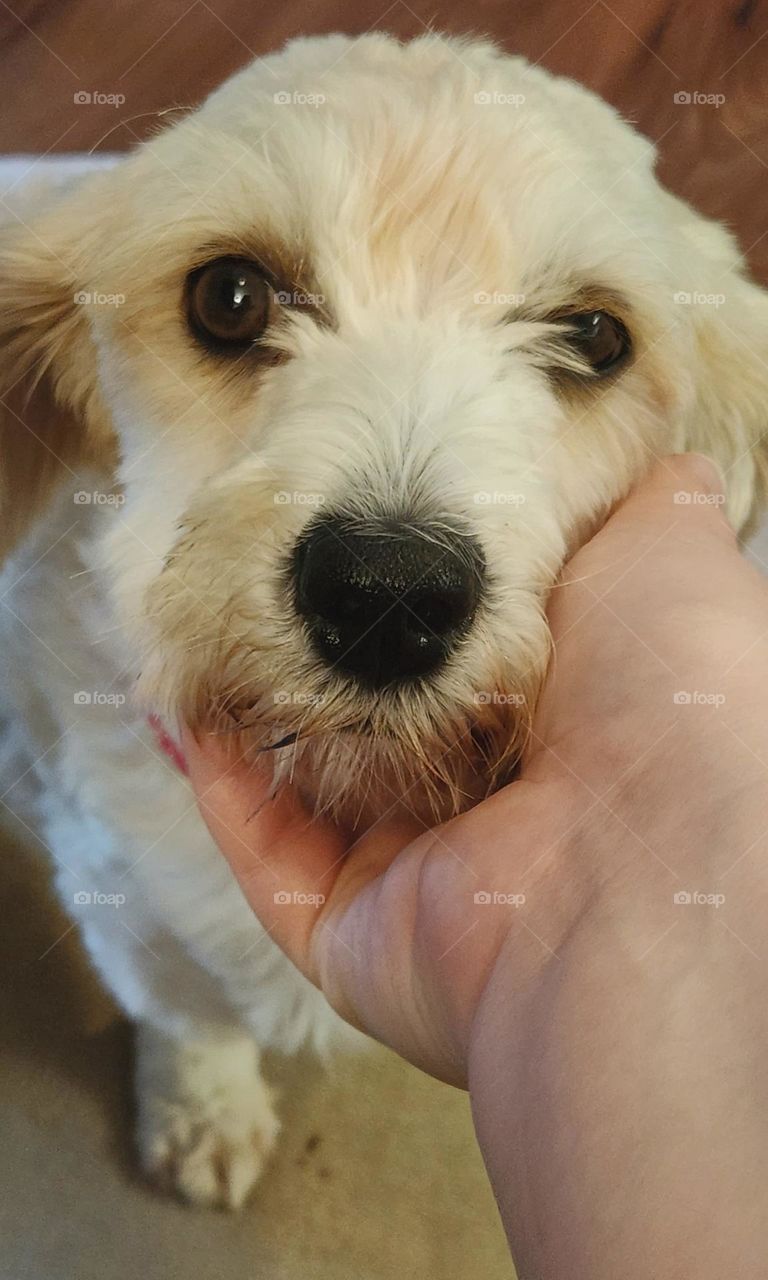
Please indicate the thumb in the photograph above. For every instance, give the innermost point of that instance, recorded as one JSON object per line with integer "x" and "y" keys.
{"x": 284, "y": 860}
{"x": 291, "y": 865}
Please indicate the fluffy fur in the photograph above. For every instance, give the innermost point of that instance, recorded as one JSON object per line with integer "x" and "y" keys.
{"x": 441, "y": 203}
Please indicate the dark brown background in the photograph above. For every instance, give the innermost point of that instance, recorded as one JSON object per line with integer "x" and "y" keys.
{"x": 637, "y": 53}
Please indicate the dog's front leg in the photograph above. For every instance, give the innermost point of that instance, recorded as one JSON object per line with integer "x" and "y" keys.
{"x": 205, "y": 1120}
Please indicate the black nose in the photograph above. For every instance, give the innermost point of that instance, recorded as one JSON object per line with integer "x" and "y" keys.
{"x": 385, "y": 603}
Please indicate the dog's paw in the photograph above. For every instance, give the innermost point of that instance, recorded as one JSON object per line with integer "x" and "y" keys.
{"x": 206, "y": 1122}
{"x": 207, "y": 1160}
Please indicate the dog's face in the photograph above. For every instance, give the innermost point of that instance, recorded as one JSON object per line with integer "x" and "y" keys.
{"x": 396, "y": 328}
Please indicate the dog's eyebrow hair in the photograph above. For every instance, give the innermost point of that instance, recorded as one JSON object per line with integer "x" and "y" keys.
{"x": 570, "y": 298}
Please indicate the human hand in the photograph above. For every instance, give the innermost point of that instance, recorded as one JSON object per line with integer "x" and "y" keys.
{"x": 659, "y": 602}
{"x": 612, "y": 1033}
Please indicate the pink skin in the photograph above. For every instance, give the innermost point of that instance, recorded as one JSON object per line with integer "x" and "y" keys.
{"x": 611, "y": 1038}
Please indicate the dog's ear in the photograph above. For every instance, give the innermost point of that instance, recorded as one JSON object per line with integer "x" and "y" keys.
{"x": 52, "y": 421}
{"x": 726, "y": 317}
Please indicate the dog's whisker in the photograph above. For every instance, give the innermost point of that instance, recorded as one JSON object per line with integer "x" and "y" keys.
{"x": 287, "y": 741}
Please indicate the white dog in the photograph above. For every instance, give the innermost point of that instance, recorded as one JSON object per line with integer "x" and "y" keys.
{"x": 307, "y": 402}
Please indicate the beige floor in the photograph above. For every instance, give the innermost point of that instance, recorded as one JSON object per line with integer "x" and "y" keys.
{"x": 377, "y": 1175}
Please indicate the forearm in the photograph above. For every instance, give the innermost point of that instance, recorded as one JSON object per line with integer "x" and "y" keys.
{"x": 621, "y": 1105}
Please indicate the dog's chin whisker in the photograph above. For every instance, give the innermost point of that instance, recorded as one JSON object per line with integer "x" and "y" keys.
{"x": 287, "y": 741}
{"x": 358, "y": 756}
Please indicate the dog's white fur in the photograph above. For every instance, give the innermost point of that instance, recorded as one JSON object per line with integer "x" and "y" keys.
{"x": 430, "y": 178}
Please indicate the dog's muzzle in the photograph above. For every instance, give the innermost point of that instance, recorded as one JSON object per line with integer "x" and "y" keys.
{"x": 385, "y": 602}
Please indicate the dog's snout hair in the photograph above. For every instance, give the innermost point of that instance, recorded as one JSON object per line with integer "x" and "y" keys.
{"x": 386, "y": 602}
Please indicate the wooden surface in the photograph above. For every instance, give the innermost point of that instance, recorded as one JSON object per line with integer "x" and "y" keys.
{"x": 156, "y": 54}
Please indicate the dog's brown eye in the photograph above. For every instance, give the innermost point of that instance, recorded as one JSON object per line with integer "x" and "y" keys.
{"x": 599, "y": 338}
{"x": 229, "y": 302}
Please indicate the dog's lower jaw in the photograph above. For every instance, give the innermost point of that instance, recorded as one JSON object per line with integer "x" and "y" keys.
{"x": 357, "y": 770}
{"x": 356, "y": 780}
